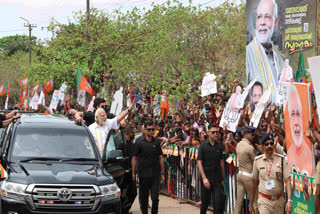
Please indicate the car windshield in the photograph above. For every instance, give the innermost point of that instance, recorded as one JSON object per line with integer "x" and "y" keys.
{"x": 50, "y": 142}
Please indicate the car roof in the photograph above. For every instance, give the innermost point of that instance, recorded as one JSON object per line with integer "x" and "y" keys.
{"x": 47, "y": 120}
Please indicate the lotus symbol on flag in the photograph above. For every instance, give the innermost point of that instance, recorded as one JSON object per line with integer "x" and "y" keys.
{"x": 230, "y": 116}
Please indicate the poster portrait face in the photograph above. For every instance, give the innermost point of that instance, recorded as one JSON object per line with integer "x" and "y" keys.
{"x": 266, "y": 20}
{"x": 256, "y": 94}
{"x": 297, "y": 117}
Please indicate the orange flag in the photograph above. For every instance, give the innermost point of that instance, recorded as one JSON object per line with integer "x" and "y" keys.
{"x": 2, "y": 89}
{"x": 35, "y": 89}
{"x": 49, "y": 85}
{"x": 23, "y": 96}
{"x": 83, "y": 83}
{"x": 24, "y": 82}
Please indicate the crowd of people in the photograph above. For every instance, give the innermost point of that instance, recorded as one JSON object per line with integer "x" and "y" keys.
{"x": 141, "y": 134}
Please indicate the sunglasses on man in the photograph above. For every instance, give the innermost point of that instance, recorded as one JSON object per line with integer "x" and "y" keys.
{"x": 150, "y": 130}
{"x": 267, "y": 144}
{"x": 214, "y": 132}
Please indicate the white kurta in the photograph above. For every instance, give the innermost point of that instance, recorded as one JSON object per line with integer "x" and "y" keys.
{"x": 100, "y": 133}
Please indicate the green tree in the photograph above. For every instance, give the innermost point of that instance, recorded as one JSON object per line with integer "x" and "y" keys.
{"x": 169, "y": 47}
{"x": 12, "y": 69}
{"x": 9, "y": 45}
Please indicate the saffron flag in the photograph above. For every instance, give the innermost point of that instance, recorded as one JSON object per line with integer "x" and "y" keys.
{"x": 43, "y": 89}
{"x": 3, "y": 172}
{"x": 2, "y": 89}
{"x": 24, "y": 82}
{"x": 49, "y": 85}
{"x": 23, "y": 96}
{"x": 7, "y": 88}
{"x": 35, "y": 88}
{"x": 83, "y": 84}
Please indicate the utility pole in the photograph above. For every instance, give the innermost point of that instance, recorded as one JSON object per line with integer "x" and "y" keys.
{"x": 88, "y": 16}
{"x": 88, "y": 9}
{"x": 30, "y": 27}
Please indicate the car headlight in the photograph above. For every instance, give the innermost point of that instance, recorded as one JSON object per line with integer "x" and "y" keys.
{"x": 13, "y": 190}
{"x": 109, "y": 192}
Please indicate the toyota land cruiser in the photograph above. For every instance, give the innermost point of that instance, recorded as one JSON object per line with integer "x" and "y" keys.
{"x": 54, "y": 166}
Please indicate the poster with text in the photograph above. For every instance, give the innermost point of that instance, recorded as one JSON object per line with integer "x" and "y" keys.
{"x": 276, "y": 32}
{"x": 303, "y": 193}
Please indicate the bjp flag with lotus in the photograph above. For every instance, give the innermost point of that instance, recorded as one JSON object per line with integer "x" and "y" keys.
{"x": 83, "y": 84}
{"x": 24, "y": 83}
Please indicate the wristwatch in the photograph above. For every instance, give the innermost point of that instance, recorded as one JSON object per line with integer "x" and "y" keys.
{"x": 289, "y": 200}
{"x": 162, "y": 173}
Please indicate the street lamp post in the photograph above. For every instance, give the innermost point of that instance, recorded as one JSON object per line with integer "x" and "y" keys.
{"x": 30, "y": 27}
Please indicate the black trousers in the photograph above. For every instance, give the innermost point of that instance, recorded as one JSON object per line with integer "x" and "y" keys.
{"x": 147, "y": 185}
{"x": 128, "y": 193}
{"x": 215, "y": 194}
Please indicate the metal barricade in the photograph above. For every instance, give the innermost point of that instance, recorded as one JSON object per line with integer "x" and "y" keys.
{"x": 183, "y": 179}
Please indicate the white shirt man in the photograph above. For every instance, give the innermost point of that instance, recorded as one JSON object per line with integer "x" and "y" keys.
{"x": 102, "y": 126}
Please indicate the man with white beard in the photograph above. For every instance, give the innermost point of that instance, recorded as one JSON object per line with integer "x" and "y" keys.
{"x": 299, "y": 153}
{"x": 263, "y": 63}
{"x": 102, "y": 126}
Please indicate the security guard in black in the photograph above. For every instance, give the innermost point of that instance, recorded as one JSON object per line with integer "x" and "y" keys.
{"x": 150, "y": 166}
{"x": 211, "y": 167}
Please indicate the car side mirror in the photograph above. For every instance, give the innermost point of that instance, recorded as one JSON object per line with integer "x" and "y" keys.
{"x": 114, "y": 156}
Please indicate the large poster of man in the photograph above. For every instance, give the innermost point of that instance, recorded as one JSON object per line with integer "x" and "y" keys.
{"x": 297, "y": 117}
{"x": 263, "y": 61}
{"x": 276, "y": 31}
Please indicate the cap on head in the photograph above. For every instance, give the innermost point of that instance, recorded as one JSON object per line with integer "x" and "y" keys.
{"x": 249, "y": 129}
{"x": 239, "y": 130}
{"x": 266, "y": 137}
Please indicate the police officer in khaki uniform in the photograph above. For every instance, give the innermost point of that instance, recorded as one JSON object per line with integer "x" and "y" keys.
{"x": 245, "y": 156}
{"x": 270, "y": 170}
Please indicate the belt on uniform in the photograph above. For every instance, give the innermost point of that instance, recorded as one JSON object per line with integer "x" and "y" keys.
{"x": 271, "y": 197}
{"x": 245, "y": 173}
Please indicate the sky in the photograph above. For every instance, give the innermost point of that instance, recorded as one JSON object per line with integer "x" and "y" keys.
{"x": 40, "y": 12}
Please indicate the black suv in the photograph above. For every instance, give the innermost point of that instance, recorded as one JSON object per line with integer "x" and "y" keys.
{"x": 54, "y": 166}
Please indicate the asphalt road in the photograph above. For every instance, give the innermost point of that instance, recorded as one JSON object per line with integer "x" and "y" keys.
{"x": 168, "y": 206}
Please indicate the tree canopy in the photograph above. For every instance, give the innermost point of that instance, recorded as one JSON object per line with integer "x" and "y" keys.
{"x": 169, "y": 47}
{"x": 10, "y": 45}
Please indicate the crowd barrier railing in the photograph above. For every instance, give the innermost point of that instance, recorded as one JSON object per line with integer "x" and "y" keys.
{"x": 183, "y": 179}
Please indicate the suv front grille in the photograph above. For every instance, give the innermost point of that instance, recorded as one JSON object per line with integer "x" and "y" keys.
{"x": 46, "y": 197}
